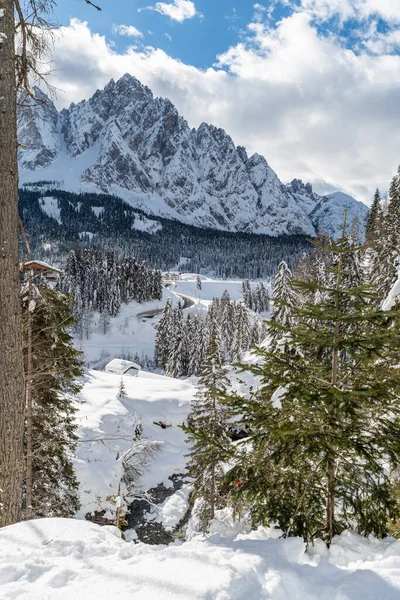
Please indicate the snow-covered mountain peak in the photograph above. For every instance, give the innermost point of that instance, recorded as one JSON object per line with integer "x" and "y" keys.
{"x": 126, "y": 142}
{"x": 329, "y": 212}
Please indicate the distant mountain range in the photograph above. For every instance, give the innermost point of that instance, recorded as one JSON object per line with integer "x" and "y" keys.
{"x": 125, "y": 142}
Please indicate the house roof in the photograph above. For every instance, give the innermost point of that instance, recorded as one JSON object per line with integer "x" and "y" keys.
{"x": 40, "y": 263}
{"x": 118, "y": 365}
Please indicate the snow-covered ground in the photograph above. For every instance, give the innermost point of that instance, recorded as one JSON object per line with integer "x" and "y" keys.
{"x": 210, "y": 288}
{"x": 128, "y": 333}
{"x": 107, "y": 423}
{"x": 64, "y": 559}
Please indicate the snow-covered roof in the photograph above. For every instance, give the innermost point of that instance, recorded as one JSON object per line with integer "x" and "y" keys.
{"x": 41, "y": 264}
{"x": 119, "y": 366}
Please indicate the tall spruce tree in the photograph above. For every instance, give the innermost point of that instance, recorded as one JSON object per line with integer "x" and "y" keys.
{"x": 164, "y": 336}
{"x": 284, "y": 300}
{"x": 207, "y": 430}
{"x": 56, "y": 365}
{"x": 325, "y": 425}
{"x": 374, "y": 220}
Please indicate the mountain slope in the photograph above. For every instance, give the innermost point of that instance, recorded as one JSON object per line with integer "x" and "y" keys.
{"x": 125, "y": 142}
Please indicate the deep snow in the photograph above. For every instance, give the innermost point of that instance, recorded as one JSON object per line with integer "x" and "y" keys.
{"x": 65, "y": 559}
{"x": 107, "y": 422}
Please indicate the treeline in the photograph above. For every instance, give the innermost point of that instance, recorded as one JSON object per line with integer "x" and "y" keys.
{"x": 103, "y": 281}
{"x": 181, "y": 342}
{"x": 104, "y": 223}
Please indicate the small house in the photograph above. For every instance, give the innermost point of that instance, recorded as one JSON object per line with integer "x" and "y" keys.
{"x": 123, "y": 367}
{"x": 50, "y": 273}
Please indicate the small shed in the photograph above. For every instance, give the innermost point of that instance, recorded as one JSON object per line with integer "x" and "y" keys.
{"x": 122, "y": 367}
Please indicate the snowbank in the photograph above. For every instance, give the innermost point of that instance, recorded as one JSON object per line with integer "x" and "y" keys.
{"x": 62, "y": 559}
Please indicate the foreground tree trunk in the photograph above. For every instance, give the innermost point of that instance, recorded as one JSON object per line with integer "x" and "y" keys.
{"x": 12, "y": 399}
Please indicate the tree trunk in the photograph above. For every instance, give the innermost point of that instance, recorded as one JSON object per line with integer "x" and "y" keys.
{"x": 29, "y": 415}
{"x": 12, "y": 400}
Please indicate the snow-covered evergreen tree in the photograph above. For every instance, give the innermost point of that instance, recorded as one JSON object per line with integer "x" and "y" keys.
{"x": 319, "y": 453}
{"x": 56, "y": 367}
{"x": 207, "y": 431}
{"x": 284, "y": 300}
{"x": 164, "y": 336}
{"x": 175, "y": 363}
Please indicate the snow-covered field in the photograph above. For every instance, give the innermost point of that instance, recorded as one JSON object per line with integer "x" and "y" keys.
{"x": 107, "y": 422}
{"x": 62, "y": 559}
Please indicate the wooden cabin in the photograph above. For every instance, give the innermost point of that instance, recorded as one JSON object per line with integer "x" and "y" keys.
{"x": 50, "y": 273}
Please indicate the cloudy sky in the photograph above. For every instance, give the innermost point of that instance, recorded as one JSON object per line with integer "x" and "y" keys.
{"x": 313, "y": 85}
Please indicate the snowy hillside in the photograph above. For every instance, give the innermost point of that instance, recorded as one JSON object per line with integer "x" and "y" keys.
{"x": 125, "y": 142}
{"x": 60, "y": 559}
{"x": 107, "y": 421}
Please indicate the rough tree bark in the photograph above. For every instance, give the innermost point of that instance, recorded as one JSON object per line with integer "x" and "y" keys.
{"x": 12, "y": 398}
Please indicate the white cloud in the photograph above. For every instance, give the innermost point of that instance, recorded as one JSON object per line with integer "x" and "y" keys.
{"x": 127, "y": 30}
{"x": 169, "y": 37}
{"x": 177, "y": 10}
{"x": 314, "y": 109}
{"x": 353, "y": 9}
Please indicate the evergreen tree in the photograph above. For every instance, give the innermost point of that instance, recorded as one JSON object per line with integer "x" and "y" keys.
{"x": 374, "y": 219}
{"x": 175, "y": 363}
{"x": 317, "y": 459}
{"x": 242, "y": 337}
{"x": 56, "y": 365}
{"x": 284, "y": 300}
{"x": 164, "y": 336}
{"x": 207, "y": 432}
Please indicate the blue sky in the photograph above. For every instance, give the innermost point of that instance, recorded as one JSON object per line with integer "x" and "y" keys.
{"x": 196, "y": 41}
{"x": 313, "y": 85}
{"x": 217, "y": 25}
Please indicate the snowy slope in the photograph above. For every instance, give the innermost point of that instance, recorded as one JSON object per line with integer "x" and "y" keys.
{"x": 125, "y": 142}
{"x": 61, "y": 559}
{"x": 107, "y": 422}
{"x": 328, "y": 213}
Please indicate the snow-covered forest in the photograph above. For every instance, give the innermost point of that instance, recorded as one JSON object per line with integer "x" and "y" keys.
{"x": 199, "y": 363}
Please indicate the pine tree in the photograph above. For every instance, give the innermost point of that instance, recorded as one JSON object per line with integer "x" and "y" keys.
{"x": 56, "y": 365}
{"x": 175, "y": 363}
{"x": 317, "y": 460}
{"x": 164, "y": 336}
{"x": 207, "y": 431}
{"x": 284, "y": 300}
{"x": 374, "y": 219}
{"x": 227, "y": 327}
{"x": 242, "y": 336}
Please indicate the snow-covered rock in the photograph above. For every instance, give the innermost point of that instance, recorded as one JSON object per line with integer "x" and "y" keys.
{"x": 329, "y": 212}
{"x": 306, "y": 198}
{"x": 125, "y": 142}
{"x": 38, "y": 132}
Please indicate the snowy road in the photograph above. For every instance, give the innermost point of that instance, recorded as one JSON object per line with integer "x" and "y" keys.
{"x": 188, "y": 302}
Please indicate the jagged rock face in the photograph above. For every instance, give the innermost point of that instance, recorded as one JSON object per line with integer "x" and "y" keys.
{"x": 38, "y": 133}
{"x": 125, "y": 142}
{"x": 304, "y": 194}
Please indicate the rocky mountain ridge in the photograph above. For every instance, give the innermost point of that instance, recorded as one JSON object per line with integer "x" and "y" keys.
{"x": 125, "y": 142}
